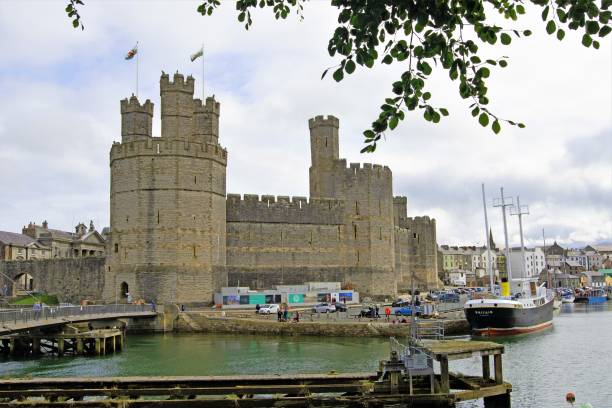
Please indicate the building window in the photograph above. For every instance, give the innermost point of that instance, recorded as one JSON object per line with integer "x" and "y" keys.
{"x": 116, "y": 248}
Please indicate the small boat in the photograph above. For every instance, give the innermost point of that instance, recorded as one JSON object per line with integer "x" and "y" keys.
{"x": 568, "y": 297}
{"x": 590, "y": 296}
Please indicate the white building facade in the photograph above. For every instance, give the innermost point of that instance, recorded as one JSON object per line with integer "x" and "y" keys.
{"x": 532, "y": 266}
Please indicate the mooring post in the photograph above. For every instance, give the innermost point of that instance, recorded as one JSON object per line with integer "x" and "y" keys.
{"x": 35, "y": 346}
{"x": 444, "y": 379}
{"x": 497, "y": 362}
{"x": 486, "y": 367}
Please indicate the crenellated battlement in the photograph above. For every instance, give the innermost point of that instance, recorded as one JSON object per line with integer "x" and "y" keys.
{"x": 178, "y": 84}
{"x": 132, "y": 105}
{"x": 323, "y": 121}
{"x": 283, "y": 209}
{"x": 364, "y": 169}
{"x": 161, "y": 147}
{"x": 210, "y": 106}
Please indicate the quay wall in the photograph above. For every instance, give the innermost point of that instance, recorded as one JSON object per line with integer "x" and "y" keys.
{"x": 70, "y": 279}
{"x": 204, "y": 322}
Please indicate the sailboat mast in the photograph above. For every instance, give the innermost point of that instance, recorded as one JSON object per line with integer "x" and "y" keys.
{"x": 488, "y": 258}
{"x": 520, "y": 217}
{"x": 508, "y": 263}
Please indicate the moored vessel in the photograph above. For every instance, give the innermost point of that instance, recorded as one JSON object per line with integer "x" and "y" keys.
{"x": 590, "y": 296}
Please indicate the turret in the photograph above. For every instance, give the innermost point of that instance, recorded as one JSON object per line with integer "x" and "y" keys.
{"x": 400, "y": 209}
{"x": 176, "y": 106}
{"x": 324, "y": 145}
{"x": 136, "y": 119}
{"x": 206, "y": 120}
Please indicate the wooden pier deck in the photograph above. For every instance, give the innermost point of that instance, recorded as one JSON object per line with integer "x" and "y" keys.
{"x": 398, "y": 382}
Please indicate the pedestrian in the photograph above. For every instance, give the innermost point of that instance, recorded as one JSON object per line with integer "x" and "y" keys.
{"x": 279, "y": 314}
{"x": 5, "y": 290}
{"x": 376, "y": 312}
{"x": 153, "y": 306}
{"x": 297, "y": 316}
{"x": 257, "y": 307}
{"x": 182, "y": 308}
{"x": 387, "y": 312}
{"x": 286, "y": 314}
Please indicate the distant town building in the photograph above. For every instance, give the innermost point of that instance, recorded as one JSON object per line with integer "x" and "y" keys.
{"x": 84, "y": 242}
{"x": 20, "y": 247}
{"x": 533, "y": 264}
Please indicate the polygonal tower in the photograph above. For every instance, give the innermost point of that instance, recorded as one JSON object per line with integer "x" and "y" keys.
{"x": 167, "y": 203}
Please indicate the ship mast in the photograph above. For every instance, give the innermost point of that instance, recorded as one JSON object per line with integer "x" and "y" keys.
{"x": 504, "y": 202}
{"x": 520, "y": 211}
{"x": 488, "y": 259}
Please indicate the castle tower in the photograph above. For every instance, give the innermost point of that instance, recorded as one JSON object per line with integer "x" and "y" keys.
{"x": 167, "y": 204}
{"x": 366, "y": 190}
{"x": 324, "y": 152}
{"x": 136, "y": 119}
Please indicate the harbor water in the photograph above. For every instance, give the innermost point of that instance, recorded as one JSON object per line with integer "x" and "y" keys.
{"x": 571, "y": 356}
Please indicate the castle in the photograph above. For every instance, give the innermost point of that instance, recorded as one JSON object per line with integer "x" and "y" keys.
{"x": 175, "y": 236}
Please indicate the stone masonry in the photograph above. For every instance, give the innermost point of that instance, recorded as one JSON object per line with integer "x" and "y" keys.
{"x": 175, "y": 235}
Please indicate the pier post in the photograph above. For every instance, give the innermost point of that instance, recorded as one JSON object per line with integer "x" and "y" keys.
{"x": 60, "y": 347}
{"x": 35, "y": 346}
{"x": 103, "y": 345}
{"x": 497, "y": 362}
{"x": 79, "y": 346}
{"x": 98, "y": 346}
{"x": 486, "y": 367}
{"x": 12, "y": 348}
{"x": 444, "y": 379}
{"x": 113, "y": 344}
{"x": 497, "y": 401}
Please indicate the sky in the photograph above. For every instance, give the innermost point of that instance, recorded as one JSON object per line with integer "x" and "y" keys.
{"x": 59, "y": 114}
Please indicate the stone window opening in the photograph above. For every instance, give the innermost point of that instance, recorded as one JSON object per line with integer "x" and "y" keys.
{"x": 357, "y": 207}
{"x": 194, "y": 251}
{"x": 158, "y": 216}
{"x": 124, "y": 290}
{"x": 116, "y": 248}
{"x": 195, "y": 179}
{"x": 355, "y": 230}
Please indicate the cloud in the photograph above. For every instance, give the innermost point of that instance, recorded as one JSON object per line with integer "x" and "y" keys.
{"x": 60, "y": 114}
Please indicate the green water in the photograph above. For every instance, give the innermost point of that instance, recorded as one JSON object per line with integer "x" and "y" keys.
{"x": 572, "y": 356}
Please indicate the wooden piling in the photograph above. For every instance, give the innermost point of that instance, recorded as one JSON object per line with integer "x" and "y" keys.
{"x": 486, "y": 367}
{"x": 497, "y": 362}
{"x": 79, "y": 346}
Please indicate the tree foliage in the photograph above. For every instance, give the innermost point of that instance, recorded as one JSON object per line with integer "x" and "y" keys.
{"x": 426, "y": 34}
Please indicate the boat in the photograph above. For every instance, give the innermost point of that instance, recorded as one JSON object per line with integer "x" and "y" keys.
{"x": 523, "y": 306}
{"x": 510, "y": 315}
{"x": 568, "y": 297}
{"x": 590, "y": 296}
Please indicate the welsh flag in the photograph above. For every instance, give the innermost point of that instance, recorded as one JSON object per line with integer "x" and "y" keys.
{"x": 132, "y": 53}
{"x": 197, "y": 54}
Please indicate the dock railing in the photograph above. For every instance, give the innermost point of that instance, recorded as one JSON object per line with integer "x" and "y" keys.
{"x": 430, "y": 330}
{"x": 29, "y": 314}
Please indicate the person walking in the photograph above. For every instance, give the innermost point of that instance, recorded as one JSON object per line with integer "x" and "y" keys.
{"x": 279, "y": 314}
{"x": 257, "y": 307}
{"x": 376, "y": 315}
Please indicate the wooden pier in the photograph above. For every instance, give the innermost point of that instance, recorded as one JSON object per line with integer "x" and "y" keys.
{"x": 406, "y": 379}
{"x": 91, "y": 342}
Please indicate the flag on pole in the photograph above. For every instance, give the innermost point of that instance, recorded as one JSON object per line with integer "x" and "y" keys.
{"x": 132, "y": 53}
{"x": 197, "y": 54}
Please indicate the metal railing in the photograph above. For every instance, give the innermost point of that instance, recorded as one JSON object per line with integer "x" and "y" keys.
{"x": 430, "y": 330}
{"x": 30, "y": 314}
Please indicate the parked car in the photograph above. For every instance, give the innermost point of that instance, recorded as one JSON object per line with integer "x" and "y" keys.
{"x": 341, "y": 307}
{"x": 267, "y": 309}
{"x": 432, "y": 296}
{"x": 451, "y": 297}
{"x": 407, "y": 311}
{"x": 368, "y": 311}
{"x": 324, "y": 308}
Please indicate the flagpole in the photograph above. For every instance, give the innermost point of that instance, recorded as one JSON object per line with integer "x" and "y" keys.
{"x": 137, "y": 58}
{"x": 203, "y": 95}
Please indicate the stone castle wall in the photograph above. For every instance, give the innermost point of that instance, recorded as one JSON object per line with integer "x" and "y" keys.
{"x": 71, "y": 280}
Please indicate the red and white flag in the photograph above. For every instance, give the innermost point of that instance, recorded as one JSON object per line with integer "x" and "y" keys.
{"x": 132, "y": 53}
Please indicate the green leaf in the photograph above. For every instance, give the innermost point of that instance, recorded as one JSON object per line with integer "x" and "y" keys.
{"x": 560, "y": 34}
{"x": 505, "y": 38}
{"x": 324, "y": 73}
{"x": 338, "y": 75}
{"x": 592, "y": 27}
{"x": 369, "y": 134}
{"x": 545, "y": 13}
{"x": 75, "y": 23}
{"x": 520, "y": 9}
{"x": 587, "y": 40}
{"x": 349, "y": 67}
{"x": 496, "y": 127}
{"x": 241, "y": 17}
{"x": 393, "y": 122}
{"x": 551, "y": 27}
{"x": 426, "y": 96}
{"x": 521, "y": 125}
{"x": 483, "y": 119}
{"x": 503, "y": 63}
{"x": 444, "y": 111}
{"x": 388, "y": 59}
{"x": 475, "y": 111}
{"x": 605, "y": 30}
{"x": 527, "y": 33}
{"x": 596, "y": 45}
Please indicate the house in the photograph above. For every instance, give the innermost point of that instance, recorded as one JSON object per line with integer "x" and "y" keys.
{"x": 458, "y": 277}
{"x": 82, "y": 243}
{"x": 531, "y": 266}
{"x": 559, "y": 279}
{"x": 20, "y": 247}
{"x": 592, "y": 279}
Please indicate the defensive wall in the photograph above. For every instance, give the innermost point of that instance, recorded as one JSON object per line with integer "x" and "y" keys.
{"x": 70, "y": 279}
